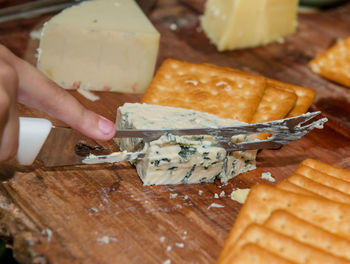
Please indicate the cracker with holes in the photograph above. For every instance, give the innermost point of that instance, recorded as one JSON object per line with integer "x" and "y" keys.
{"x": 281, "y": 245}
{"x": 263, "y": 200}
{"x": 294, "y": 227}
{"x": 328, "y": 169}
{"x": 334, "y": 64}
{"x": 276, "y": 102}
{"x": 207, "y": 89}
{"x": 319, "y": 189}
{"x": 280, "y": 99}
{"x": 309, "y": 211}
{"x": 251, "y": 253}
{"x": 291, "y": 187}
{"x": 324, "y": 178}
{"x": 305, "y": 96}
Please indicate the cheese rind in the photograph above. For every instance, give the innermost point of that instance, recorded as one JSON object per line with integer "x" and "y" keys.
{"x": 181, "y": 159}
{"x": 234, "y": 24}
{"x": 107, "y": 45}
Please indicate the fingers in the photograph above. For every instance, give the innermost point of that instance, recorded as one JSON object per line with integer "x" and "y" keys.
{"x": 5, "y": 104}
{"x": 37, "y": 91}
{"x": 8, "y": 112}
{"x": 70, "y": 111}
{"x": 9, "y": 139}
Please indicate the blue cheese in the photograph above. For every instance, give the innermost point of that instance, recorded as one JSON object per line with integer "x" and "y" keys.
{"x": 267, "y": 176}
{"x": 180, "y": 159}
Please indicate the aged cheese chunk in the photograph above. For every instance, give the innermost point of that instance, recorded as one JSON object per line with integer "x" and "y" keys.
{"x": 181, "y": 159}
{"x": 233, "y": 24}
{"x": 100, "y": 45}
{"x": 240, "y": 195}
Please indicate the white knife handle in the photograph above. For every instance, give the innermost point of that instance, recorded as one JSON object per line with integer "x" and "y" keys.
{"x": 32, "y": 135}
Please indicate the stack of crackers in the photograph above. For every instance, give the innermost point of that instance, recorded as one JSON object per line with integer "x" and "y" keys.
{"x": 306, "y": 219}
{"x": 226, "y": 92}
{"x": 334, "y": 64}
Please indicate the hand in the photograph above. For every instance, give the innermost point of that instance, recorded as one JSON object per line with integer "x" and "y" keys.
{"x": 20, "y": 81}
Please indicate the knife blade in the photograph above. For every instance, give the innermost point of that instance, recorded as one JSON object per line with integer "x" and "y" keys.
{"x": 280, "y": 132}
{"x": 65, "y": 146}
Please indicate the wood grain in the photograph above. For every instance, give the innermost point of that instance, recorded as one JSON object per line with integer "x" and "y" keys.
{"x": 87, "y": 206}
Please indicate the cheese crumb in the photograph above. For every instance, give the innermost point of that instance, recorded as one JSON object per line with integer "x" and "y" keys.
{"x": 200, "y": 192}
{"x": 173, "y": 26}
{"x": 180, "y": 245}
{"x": 185, "y": 197}
{"x": 215, "y": 205}
{"x": 173, "y": 195}
{"x": 48, "y": 233}
{"x": 240, "y": 195}
{"x": 94, "y": 209}
{"x": 88, "y": 95}
{"x": 222, "y": 194}
{"x": 267, "y": 176}
{"x": 162, "y": 239}
{"x": 168, "y": 248}
{"x": 216, "y": 196}
{"x": 184, "y": 237}
{"x": 168, "y": 261}
{"x": 106, "y": 239}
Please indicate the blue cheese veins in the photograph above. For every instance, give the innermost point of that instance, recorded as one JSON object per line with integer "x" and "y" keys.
{"x": 180, "y": 159}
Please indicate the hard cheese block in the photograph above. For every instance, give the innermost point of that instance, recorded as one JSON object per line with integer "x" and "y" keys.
{"x": 234, "y": 24}
{"x": 105, "y": 45}
{"x": 181, "y": 159}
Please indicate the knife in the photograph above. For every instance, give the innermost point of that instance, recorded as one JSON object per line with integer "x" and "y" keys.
{"x": 52, "y": 145}
{"x": 62, "y": 146}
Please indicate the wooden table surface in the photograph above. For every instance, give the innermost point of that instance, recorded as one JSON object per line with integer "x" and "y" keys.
{"x": 103, "y": 214}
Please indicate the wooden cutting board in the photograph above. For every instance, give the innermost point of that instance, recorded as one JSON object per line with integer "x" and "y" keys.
{"x": 103, "y": 214}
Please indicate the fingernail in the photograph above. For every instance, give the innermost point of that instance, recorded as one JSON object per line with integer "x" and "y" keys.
{"x": 105, "y": 126}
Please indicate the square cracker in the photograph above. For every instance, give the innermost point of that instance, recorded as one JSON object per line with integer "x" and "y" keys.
{"x": 329, "y": 169}
{"x": 294, "y": 227}
{"x": 334, "y": 63}
{"x": 208, "y": 89}
{"x": 282, "y": 245}
{"x": 305, "y": 96}
{"x": 276, "y": 102}
{"x": 251, "y": 253}
{"x": 291, "y": 187}
{"x": 304, "y": 99}
{"x": 324, "y": 178}
{"x": 319, "y": 189}
{"x": 263, "y": 200}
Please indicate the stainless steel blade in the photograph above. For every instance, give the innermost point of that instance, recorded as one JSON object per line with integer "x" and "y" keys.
{"x": 289, "y": 125}
{"x": 65, "y": 146}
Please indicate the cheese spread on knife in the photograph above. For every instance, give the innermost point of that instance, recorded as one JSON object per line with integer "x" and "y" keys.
{"x": 180, "y": 159}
